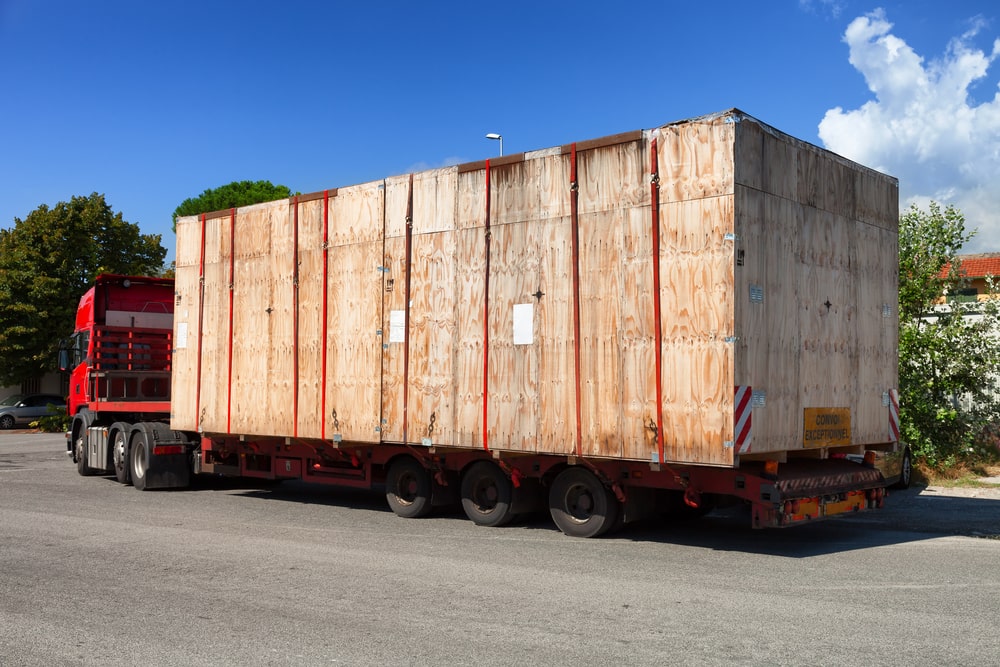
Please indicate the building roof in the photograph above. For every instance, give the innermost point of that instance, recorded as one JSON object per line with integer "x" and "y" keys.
{"x": 976, "y": 266}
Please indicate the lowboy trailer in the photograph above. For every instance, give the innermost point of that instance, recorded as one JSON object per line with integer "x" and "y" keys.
{"x": 650, "y": 322}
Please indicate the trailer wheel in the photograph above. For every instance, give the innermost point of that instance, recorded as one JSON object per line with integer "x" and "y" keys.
{"x": 120, "y": 455}
{"x": 408, "y": 488}
{"x": 138, "y": 459}
{"x": 581, "y": 506}
{"x": 487, "y": 495}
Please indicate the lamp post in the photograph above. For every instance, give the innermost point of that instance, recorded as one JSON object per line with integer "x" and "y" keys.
{"x": 496, "y": 137}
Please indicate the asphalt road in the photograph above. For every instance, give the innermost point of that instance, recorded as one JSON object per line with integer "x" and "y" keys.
{"x": 95, "y": 573}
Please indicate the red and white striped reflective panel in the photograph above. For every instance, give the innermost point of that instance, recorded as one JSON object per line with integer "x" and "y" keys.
{"x": 893, "y": 415}
{"x": 742, "y": 417}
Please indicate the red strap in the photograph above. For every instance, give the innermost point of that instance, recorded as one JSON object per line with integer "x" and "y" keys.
{"x": 232, "y": 281}
{"x": 574, "y": 197}
{"x": 486, "y": 321}
{"x": 654, "y": 190}
{"x": 326, "y": 273}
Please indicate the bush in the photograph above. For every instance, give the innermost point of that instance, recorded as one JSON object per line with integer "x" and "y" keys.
{"x": 57, "y": 422}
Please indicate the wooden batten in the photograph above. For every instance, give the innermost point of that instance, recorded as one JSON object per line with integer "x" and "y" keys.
{"x": 511, "y": 304}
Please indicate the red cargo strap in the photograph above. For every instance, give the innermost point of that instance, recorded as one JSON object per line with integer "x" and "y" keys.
{"x": 295, "y": 319}
{"x": 574, "y": 197}
{"x": 326, "y": 274}
{"x": 486, "y": 321}
{"x": 232, "y": 282}
{"x": 408, "y": 253}
{"x": 201, "y": 319}
{"x": 654, "y": 191}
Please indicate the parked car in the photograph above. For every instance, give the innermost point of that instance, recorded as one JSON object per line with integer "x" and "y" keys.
{"x": 20, "y": 410}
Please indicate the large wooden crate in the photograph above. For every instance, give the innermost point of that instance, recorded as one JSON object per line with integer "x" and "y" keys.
{"x": 512, "y": 304}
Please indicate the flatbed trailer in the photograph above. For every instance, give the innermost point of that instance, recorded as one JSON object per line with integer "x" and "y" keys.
{"x": 644, "y": 323}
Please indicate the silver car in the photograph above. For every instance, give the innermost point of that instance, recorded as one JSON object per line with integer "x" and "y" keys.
{"x": 19, "y": 410}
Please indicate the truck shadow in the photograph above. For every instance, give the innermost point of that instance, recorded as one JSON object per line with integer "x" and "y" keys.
{"x": 909, "y": 516}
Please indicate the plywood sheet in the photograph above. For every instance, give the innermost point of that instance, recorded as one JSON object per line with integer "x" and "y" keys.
{"x": 187, "y": 305}
{"x": 758, "y": 232}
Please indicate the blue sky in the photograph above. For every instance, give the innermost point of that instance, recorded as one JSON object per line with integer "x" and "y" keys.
{"x": 150, "y": 103}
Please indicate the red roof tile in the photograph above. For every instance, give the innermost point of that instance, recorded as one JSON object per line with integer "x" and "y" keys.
{"x": 976, "y": 266}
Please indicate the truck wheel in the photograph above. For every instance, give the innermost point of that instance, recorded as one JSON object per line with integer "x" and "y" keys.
{"x": 81, "y": 456}
{"x": 487, "y": 495}
{"x": 120, "y": 454}
{"x": 84, "y": 418}
{"x": 580, "y": 504}
{"x": 905, "y": 472}
{"x": 138, "y": 463}
{"x": 408, "y": 488}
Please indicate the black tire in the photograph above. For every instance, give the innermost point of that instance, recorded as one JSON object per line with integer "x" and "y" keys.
{"x": 487, "y": 495}
{"x": 120, "y": 457}
{"x": 905, "y": 472}
{"x": 408, "y": 488}
{"x": 580, "y": 505}
{"x": 6, "y": 422}
{"x": 138, "y": 460}
{"x": 81, "y": 455}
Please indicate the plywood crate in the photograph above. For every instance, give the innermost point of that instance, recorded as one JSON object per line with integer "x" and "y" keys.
{"x": 512, "y": 304}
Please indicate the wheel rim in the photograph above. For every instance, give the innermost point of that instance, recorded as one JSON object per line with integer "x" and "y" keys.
{"x": 485, "y": 495}
{"x": 406, "y": 488}
{"x": 579, "y": 503}
{"x": 120, "y": 462}
{"x": 6, "y": 422}
{"x": 907, "y": 470}
{"x": 139, "y": 462}
{"x": 79, "y": 448}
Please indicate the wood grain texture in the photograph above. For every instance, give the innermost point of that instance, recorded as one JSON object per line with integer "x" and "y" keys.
{"x": 772, "y": 268}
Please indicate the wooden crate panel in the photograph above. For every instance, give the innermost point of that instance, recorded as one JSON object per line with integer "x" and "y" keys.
{"x": 615, "y": 176}
{"x": 187, "y": 305}
{"x": 772, "y": 263}
{"x": 602, "y": 296}
{"x": 311, "y": 296}
{"x": 470, "y": 289}
{"x": 432, "y": 335}
{"x": 513, "y": 366}
{"x": 695, "y": 160}
{"x": 215, "y": 325}
{"x": 554, "y": 339}
{"x": 355, "y": 214}
{"x": 353, "y": 406}
{"x": 252, "y": 324}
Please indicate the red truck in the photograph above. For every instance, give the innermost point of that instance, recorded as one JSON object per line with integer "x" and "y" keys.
{"x": 699, "y": 312}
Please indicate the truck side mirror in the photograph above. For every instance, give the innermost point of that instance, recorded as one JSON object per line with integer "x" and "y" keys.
{"x": 63, "y": 357}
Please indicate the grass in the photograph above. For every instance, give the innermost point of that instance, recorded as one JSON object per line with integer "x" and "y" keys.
{"x": 964, "y": 475}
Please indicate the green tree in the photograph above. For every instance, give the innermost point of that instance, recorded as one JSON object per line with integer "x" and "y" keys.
{"x": 234, "y": 195}
{"x": 47, "y": 261}
{"x": 948, "y": 352}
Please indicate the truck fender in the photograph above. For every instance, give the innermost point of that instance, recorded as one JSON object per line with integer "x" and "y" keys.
{"x": 159, "y": 458}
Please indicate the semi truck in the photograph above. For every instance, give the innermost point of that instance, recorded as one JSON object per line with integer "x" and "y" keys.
{"x": 650, "y": 322}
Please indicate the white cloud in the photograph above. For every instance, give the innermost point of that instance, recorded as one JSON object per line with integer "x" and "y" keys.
{"x": 923, "y": 126}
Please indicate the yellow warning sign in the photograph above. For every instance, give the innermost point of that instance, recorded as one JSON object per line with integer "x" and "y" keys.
{"x": 826, "y": 427}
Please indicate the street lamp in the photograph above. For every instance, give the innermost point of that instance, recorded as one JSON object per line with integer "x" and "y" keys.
{"x": 496, "y": 137}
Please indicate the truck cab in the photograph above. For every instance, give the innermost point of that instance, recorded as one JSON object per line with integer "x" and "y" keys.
{"x": 119, "y": 356}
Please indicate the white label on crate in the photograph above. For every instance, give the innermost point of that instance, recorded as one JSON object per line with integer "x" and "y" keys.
{"x": 524, "y": 323}
{"x": 397, "y": 326}
{"x": 182, "y": 335}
